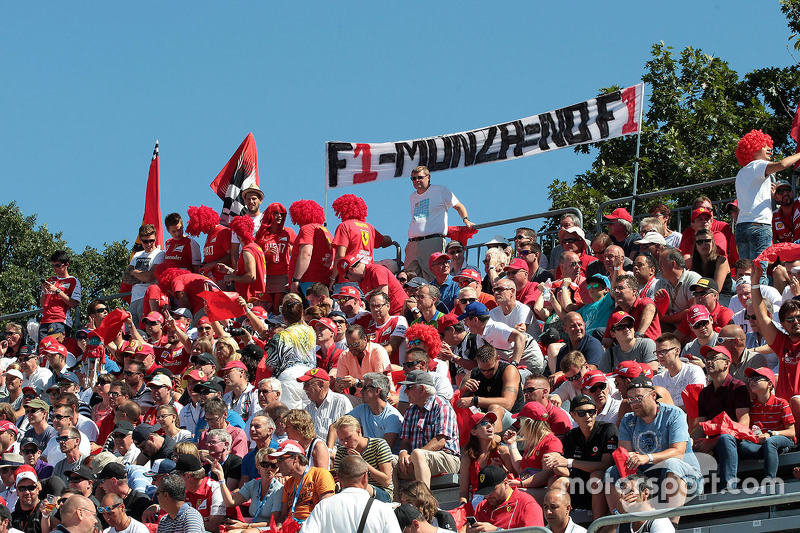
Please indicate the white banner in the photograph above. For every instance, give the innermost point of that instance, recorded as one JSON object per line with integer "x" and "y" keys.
{"x": 605, "y": 117}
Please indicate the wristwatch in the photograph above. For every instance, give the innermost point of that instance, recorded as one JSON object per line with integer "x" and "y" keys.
{"x": 515, "y": 363}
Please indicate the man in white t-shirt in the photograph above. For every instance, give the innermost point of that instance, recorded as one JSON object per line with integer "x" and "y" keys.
{"x": 252, "y": 197}
{"x": 754, "y": 192}
{"x": 428, "y": 228}
{"x": 140, "y": 271}
{"x": 676, "y": 375}
{"x": 497, "y": 334}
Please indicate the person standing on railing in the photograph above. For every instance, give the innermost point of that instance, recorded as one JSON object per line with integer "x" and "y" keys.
{"x": 428, "y": 228}
{"x": 754, "y": 192}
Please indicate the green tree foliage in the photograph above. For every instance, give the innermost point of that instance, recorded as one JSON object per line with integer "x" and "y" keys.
{"x": 25, "y": 250}
{"x": 698, "y": 109}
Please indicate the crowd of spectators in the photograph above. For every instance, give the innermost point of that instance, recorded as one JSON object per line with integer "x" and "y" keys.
{"x": 330, "y": 373}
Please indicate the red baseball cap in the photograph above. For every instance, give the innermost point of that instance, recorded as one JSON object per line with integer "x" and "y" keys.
{"x": 318, "y": 373}
{"x": 477, "y": 418}
{"x": 628, "y": 369}
{"x": 288, "y": 446}
{"x": 533, "y": 410}
{"x": 5, "y": 425}
{"x": 327, "y": 322}
{"x": 593, "y": 377}
{"x": 617, "y": 317}
{"x": 647, "y": 370}
{"x": 436, "y": 257}
{"x": 763, "y": 371}
{"x": 697, "y": 313}
{"x": 517, "y": 264}
{"x": 348, "y": 291}
{"x": 197, "y": 375}
{"x": 446, "y": 321}
{"x": 54, "y": 347}
{"x": 700, "y": 211}
{"x": 619, "y": 212}
{"x": 347, "y": 262}
{"x": 718, "y": 349}
{"x": 203, "y": 320}
{"x": 154, "y": 316}
{"x": 257, "y": 310}
{"x": 468, "y": 273}
{"x": 234, "y": 364}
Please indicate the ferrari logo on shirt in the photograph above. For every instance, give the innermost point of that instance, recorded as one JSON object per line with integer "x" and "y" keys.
{"x": 482, "y": 478}
{"x": 365, "y": 238}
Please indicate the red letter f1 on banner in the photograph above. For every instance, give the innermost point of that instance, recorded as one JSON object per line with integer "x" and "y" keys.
{"x": 605, "y": 117}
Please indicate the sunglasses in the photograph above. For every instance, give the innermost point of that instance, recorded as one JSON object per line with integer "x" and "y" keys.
{"x": 107, "y": 509}
{"x": 792, "y": 319}
{"x": 524, "y": 253}
{"x": 702, "y": 241}
{"x": 598, "y": 387}
{"x": 701, "y": 324}
{"x": 622, "y": 327}
{"x": 101, "y": 310}
{"x": 29, "y": 451}
{"x": 129, "y": 373}
{"x": 148, "y": 241}
{"x": 26, "y": 488}
{"x": 410, "y": 364}
{"x": 467, "y": 301}
{"x": 268, "y": 464}
{"x": 585, "y": 412}
{"x": 636, "y": 399}
{"x": 61, "y": 417}
{"x": 415, "y": 178}
{"x": 531, "y": 390}
{"x": 78, "y": 479}
{"x": 699, "y": 294}
{"x": 576, "y": 377}
{"x": 569, "y": 241}
{"x": 63, "y": 438}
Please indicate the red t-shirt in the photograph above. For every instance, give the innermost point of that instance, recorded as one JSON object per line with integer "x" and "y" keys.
{"x": 276, "y": 248}
{"x": 175, "y": 359}
{"x": 330, "y": 360}
{"x": 252, "y": 291}
{"x": 720, "y": 239}
{"x": 586, "y": 260}
{"x": 720, "y": 317}
{"x": 358, "y": 238}
{"x": 533, "y": 459}
{"x": 788, "y": 357}
{"x": 183, "y": 252}
{"x": 378, "y": 275}
{"x": 217, "y": 247}
{"x": 319, "y": 269}
{"x": 192, "y": 285}
{"x": 529, "y": 293}
{"x": 519, "y": 510}
{"x": 786, "y": 227}
{"x": 54, "y": 309}
{"x": 653, "y": 331}
{"x": 201, "y": 500}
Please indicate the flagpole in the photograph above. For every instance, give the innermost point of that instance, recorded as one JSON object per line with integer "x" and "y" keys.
{"x": 325, "y": 207}
{"x": 636, "y": 161}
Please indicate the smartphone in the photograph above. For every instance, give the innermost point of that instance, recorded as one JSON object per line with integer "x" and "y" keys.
{"x": 471, "y": 520}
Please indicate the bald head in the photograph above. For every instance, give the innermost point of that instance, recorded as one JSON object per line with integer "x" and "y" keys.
{"x": 732, "y": 330}
{"x": 74, "y": 520}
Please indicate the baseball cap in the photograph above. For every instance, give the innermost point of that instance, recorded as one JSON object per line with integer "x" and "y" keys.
{"x": 286, "y": 447}
{"x": 161, "y": 466}
{"x": 38, "y": 403}
{"x": 4, "y": 512}
{"x": 405, "y": 514}
{"x": 188, "y": 463}
{"x": 197, "y": 375}
{"x": 593, "y": 377}
{"x": 763, "y": 371}
{"x": 260, "y": 312}
{"x": 617, "y": 317}
{"x": 101, "y": 460}
{"x": 26, "y": 350}
{"x": 705, "y": 283}
{"x": 454, "y": 244}
{"x": 437, "y": 257}
{"x": 477, "y": 418}
{"x": 14, "y": 372}
{"x": 314, "y": 373}
{"x": 534, "y": 411}
{"x": 181, "y": 311}
{"x": 29, "y": 441}
{"x": 234, "y": 364}
{"x": 123, "y": 427}
{"x": 11, "y": 459}
{"x": 204, "y": 358}
{"x": 721, "y": 350}
{"x": 347, "y": 262}
{"x": 416, "y": 282}
{"x": 581, "y": 400}
{"x": 628, "y": 369}
{"x": 53, "y": 346}
{"x": 348, "y": 291}
{"x": 5, "y": 425}
{"x": 730, "y": 206}
{"x": 252, "y": 351}
{"x": 209, "y": 385}
{"x": 472, "y": 310}
{"x": 489, "y": 477}
{"x": 642, "y": 382}
{"x": 161, "y": 380}
{"x": 599, "y": 278}
{"x": 701, "y": 211}
{"x": 446, "y": 321}
{"x": 620, "y": 213}
{"x": 83, "y": 471}
{"x": 26, "y": 473}
{"x": 418, "y": 377}
{"x": 647, "y": 370}
{"x": 652, "y": 237}
{"x": 468, "y": 274}
{"x": 154, "y": 316}
{"x": 516, "y": 264}
{"x": 697, "y": 313}
{"x": 203, "y": 320}
{"x": 572, "y": 229}
{"x": 325, "y": 322}
{"x": 141, "y": 433}
{"x": 497, "y": 239}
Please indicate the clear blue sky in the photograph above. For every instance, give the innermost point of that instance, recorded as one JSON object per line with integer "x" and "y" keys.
{"x": 89, "y": 86}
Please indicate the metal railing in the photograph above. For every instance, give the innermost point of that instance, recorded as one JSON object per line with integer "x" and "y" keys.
{"x": 76, "y": 317}
{"x": 692, "y": 510}
{"x": 506, "y": 221}
{"x": 656, "y": 194}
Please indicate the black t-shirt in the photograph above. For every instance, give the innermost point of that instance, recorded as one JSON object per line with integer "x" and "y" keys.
{"x": 27, "y": 521}
{"x": 493, "y": 387}
{"x": 231, "y": 467}
{"x": 603, "y": 439}
{"x": 165, "y": 452}
{"x": 135, "y": 504}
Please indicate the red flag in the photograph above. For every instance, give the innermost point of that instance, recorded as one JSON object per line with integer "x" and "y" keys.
{"x": 620, "y": 456}
{"x": 273, "y": 528}
{"x": 239, "y": 173}
{"x": 221, "y": 305}
{"x": 152, "y": 200}
{"x": 795, "y": 132}
{"x": 112, "y": 324}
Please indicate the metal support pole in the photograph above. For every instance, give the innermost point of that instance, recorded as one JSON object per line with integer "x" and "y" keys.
{"x": 636, "y": 161}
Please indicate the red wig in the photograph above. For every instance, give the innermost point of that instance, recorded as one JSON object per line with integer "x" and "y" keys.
{"x": 429, "y": 337}
{"x": 166, "y": 272}
{"x": 243, "y": 227}
{"x": 750, "y": 144}
{"x": 349, "y": 207}
{"x": 202, "y": 219}
{"x": 306, "y": 212}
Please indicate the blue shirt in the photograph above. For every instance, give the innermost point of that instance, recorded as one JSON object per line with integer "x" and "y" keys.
{"x": 375, "y": 426}
{"x": 449, "y": 292}
{"x": 666, "y": 429}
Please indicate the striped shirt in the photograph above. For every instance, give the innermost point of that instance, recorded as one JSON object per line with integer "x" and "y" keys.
{"x": 188, "y": 520}
{"x": 375, "y": 454}
{"x": 774, "y": 415}
{"x": 422, "y": 425}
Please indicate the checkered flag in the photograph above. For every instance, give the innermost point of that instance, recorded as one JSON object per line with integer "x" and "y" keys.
{"x": 239, "y": 173}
